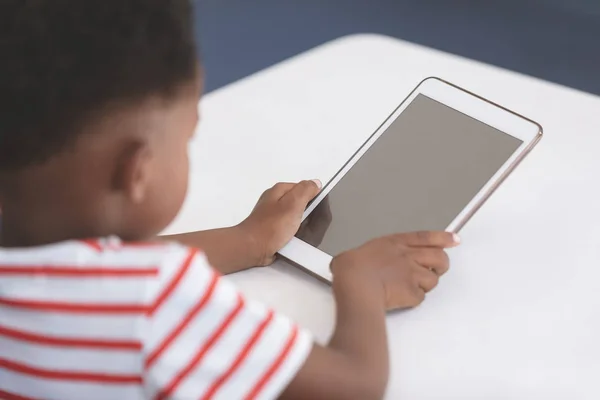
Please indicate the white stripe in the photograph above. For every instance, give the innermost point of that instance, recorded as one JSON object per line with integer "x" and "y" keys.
{"x": 102, "y": 290}
{"x": 290, "y": 367}
{"x": 187, "y": 345}
{"x": 78, "y": 253}
{"x": 105, "y": 290}
{"x": 71, "y": 359}
{"x": 151, "y": 331}
{"x": 117, "y": 327}
{"x": 65, "y": 390}
{"x": 157, "y": 256}
{"x": 186, "y": 295}
{"x": 171, "y": 261}
{"x": 262, "y": 356}
{"x": 224, "y": 352}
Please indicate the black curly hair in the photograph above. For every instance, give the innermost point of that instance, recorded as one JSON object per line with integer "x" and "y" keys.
{"x": 63, "y": 61}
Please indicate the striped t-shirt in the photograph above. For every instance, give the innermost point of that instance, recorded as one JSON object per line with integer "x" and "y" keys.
{"x": 103, "y": 320}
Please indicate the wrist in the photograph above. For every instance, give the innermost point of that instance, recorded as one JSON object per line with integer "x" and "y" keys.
{"x": 249, "y": 244}
{"x": 354, "y": 280}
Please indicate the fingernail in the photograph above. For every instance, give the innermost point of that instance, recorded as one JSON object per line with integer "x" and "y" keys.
{"x": 318, "y": 183}
{"x": 456, "y": 238}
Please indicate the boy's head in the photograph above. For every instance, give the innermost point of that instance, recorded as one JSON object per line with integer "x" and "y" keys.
{"x": 98, "y": 100}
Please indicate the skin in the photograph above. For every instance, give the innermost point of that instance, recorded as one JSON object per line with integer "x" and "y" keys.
{"x": 126, "y": 175}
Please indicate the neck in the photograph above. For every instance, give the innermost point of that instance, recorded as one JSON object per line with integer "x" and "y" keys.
{"x": 47, "y": 212}
{"x": 36, "y": 227}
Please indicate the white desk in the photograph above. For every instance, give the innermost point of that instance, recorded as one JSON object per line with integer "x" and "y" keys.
{"x": 518, "y": 316}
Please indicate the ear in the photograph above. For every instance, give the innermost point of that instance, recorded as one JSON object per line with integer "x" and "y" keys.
{"x": 132, "y": 176}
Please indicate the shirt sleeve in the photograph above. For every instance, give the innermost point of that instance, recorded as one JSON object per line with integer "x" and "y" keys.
{"x": 204, "y": 340}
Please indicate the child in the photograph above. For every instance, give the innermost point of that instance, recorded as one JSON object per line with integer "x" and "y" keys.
{"x": 99, "y": 101}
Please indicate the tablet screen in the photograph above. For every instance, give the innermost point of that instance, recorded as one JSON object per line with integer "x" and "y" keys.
{"x": 419, "y": 175}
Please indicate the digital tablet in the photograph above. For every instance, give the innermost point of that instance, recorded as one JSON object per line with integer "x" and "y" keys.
{"x": 429, "y": 166}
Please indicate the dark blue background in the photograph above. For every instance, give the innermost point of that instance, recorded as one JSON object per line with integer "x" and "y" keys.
{"x": 556, "y": 40}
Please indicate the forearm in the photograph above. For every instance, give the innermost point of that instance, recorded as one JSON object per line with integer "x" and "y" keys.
{"x": 228, "y": 249}
{"x": 360, "y": 332}
{"x": 354, "y": 365}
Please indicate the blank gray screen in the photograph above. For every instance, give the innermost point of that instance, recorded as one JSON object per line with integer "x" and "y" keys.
{"x": 419, "y": 175}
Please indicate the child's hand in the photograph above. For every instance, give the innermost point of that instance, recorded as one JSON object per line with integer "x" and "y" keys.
{"x": 387, "y": 273}
{"x": 402, "y": 267}
{"x": 277, "y": 217}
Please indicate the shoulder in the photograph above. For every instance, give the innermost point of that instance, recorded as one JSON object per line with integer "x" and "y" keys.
{"x": 148, "y": 268}
{"x": 173, "y": 264}
{"x": 104, "y": 253}
{"x": 167, "y": 257}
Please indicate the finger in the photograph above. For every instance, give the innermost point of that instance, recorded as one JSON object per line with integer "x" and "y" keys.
{"x": 429, "y": 239}
{"x": 302, "y": 193}
{"x": 277, "y": 191}
{"x": 432, "y": 259}
{"x": 418, "y": 296}
{"x": 270, "y": 260}
{"x": 427, "y": 279}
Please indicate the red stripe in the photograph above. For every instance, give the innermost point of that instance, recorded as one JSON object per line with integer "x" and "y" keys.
{"x": 260, "y": 385}
{"x": 172, "y": 387}
{"x": 174, "y": 282}
{"x": 11, "y": 396}
{"x": 69, "y": 342}
{"x": 75, "y": 308}
{"x": 144, "y": 244}
{"x": 77, "y": 271}
{"x": 69, "y": 375}
{"x": 218, "y": 383}
{"x": 184, "y": 322}
{"x": 93, "y": 243}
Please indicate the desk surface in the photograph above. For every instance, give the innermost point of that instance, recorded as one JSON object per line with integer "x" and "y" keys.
{"x": 518, "y": 315}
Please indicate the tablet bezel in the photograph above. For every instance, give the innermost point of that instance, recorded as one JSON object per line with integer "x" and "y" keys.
{"x": 316, "y": 262}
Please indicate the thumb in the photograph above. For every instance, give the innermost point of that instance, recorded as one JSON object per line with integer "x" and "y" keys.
{"x": 301, "y": 194}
